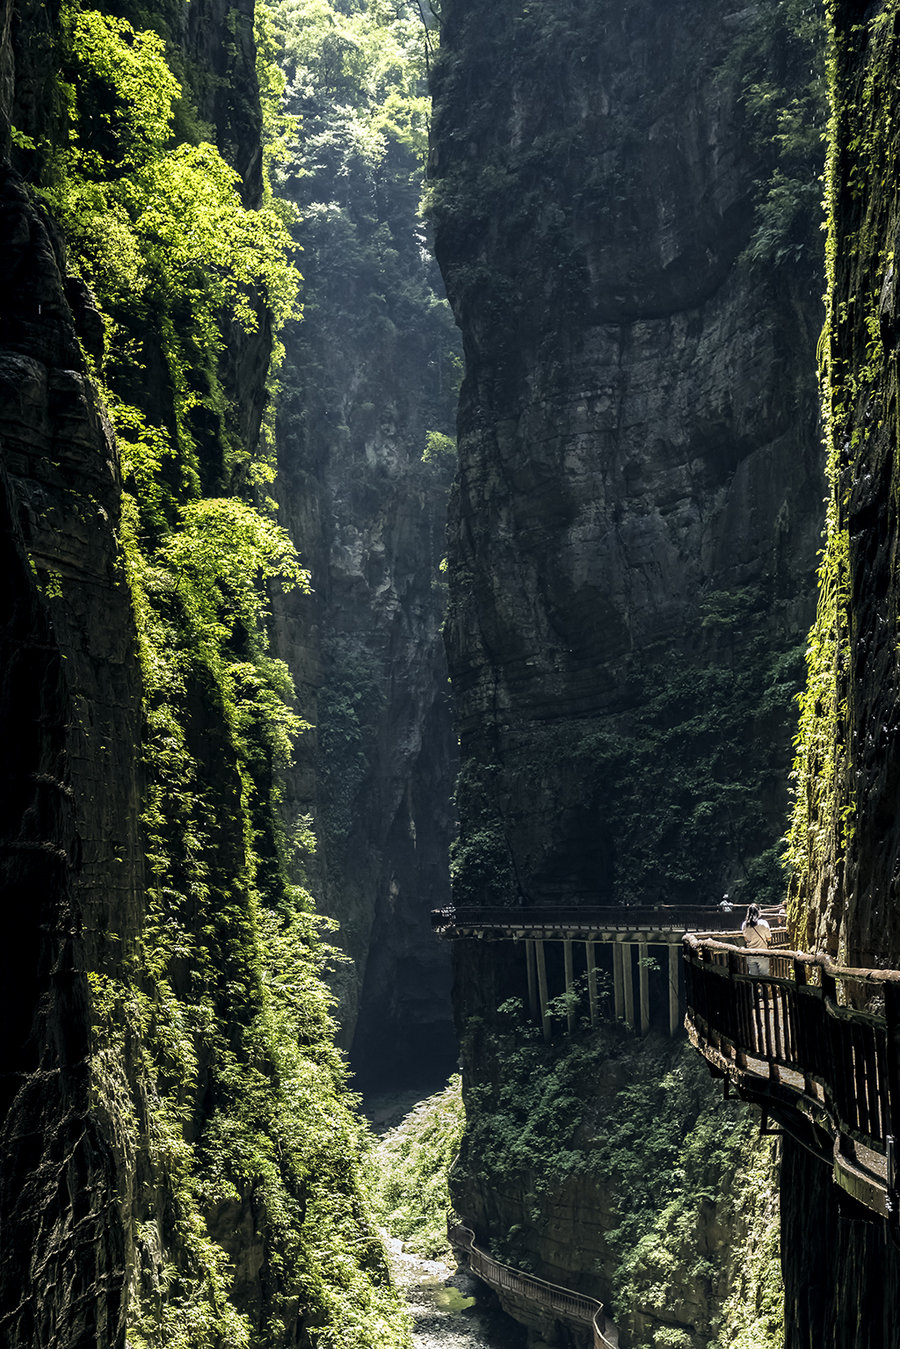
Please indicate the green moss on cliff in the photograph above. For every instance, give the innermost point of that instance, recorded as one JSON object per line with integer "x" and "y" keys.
{"x": 665, "y": 1185}
{"x": 860, "y": 397}
{"x": 213, "y": 1040}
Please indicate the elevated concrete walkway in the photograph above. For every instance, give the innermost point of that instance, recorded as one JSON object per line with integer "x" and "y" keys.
{"x": 630, "y": 932}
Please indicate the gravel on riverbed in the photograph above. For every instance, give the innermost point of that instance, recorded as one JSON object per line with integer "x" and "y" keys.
{"x": 450, "y": 1308}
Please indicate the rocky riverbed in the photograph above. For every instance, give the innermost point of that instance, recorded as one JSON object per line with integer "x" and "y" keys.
{"x": 450, "y": 1309}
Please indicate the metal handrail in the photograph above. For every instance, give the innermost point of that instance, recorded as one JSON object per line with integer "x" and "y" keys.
{"x": 571, "y": 1306}
{"x": 673, "y": 917}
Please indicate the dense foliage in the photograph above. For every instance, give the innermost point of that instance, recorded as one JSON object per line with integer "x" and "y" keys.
{"x": 410, "y": 1167}
{"x": 686, "y": 806}
{"x": 632, "y": 1132}
{"x": 213, "y": 1042}
{"x": 781, "y": 60}
{"x": 859, "y": 393}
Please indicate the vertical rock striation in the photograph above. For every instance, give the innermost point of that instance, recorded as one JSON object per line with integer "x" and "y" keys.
{"x": 70, "y": 865}
{"x": 636, "y": 517}
{"x": 178, "y": 1161}
{"x": 841, "y": 1270}
{"x": 370, "y": 383}
{"x": 639, "y": 487}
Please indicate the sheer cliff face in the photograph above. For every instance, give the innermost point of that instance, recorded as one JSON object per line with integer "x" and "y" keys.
{"x": 90, "y": 1209}
{"x": 846, "y": 840}
{"x": 638, "y": 505}
{"x": 639, "y": 490}
{"x": 69, "y": 707}
{"x": 369, "y": 382}
{"x": 368, "y": 518}
{"x": 842, "y": 1273}
{"x": 69, "y": 871}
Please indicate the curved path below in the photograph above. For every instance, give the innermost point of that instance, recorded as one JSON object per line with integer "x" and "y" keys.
{"x": 444, "y": 1308}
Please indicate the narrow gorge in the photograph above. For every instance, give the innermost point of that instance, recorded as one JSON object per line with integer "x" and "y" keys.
{"x": 414, "y": 507}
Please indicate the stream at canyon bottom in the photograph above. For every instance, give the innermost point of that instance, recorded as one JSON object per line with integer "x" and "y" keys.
{"x": 445, "y": 1305}
{"x": 450, "y": 1308}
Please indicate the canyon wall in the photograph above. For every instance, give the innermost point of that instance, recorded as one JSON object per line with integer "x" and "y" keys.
{"x": 639, "y": 492}
{"x": 179, "y": 1162}
{"x": 634, "y": 528}
{"x": 365, "y": 463}
{"x": 842, "y": 1271}
{"x": 71, "y": 871}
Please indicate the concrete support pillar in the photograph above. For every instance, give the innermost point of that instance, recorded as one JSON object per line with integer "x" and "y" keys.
{"x": 627, "y": 983}
{"x": 674, "y": 961}
{"x": 570, "y": 985}
{"x": 542, "y": 987}
{"x": 618, "y": 982}
{"x": 590, "y": 954}
{"x": 531, "y": 968}
{"x": 644, "y": 985}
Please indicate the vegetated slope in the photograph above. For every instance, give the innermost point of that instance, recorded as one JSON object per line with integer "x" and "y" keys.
{"x": 626, "y": 218}
{"x": 610, "y": 1165}
{"x": 842, "y": 1272}
{"x": 366, "y": 456}
{"x": 180, "y": 1165}
{"x": 626, "y": 207}
{"x": 410, "y": 1167}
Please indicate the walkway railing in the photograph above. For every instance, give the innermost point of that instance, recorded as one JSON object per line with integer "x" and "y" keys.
{"x": 562, "y": 1302}
{"x": 583, "y": 919}
{"x": 817, "y": 1044}
{"x": 629, "y": 932}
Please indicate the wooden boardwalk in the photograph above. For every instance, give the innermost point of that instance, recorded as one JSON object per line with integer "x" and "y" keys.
{"x": 561, "y": 1303}
{"x": 816, "y": 1045}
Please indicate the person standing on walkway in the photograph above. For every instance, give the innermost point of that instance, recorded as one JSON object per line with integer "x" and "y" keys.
{"x": 757, "y": 935}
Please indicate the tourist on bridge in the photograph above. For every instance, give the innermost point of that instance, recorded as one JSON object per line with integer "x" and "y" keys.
{"x": 757, "y": 935}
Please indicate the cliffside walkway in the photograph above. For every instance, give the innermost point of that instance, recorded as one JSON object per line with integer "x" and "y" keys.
{"x": 511, "y": 1284}
{"x": 630, "y": 932}
{"x": 816, "y": 1045}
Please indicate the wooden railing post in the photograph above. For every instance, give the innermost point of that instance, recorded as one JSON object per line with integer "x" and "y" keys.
{"x": 892, "y": 1113}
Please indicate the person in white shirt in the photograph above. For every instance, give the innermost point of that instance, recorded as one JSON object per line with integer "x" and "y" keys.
{"x": 757, "y": 935}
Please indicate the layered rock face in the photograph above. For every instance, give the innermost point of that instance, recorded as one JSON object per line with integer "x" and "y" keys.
{"x": 639, "y": 487}
{"x": 70, "y": 870}
{"x": 841, "y": 1270}
{"x": 369, "y": 383}
{"x": 70, "y": 707}
{"x": 368, "y": 518}
{"x": 166, "y": 1061}
{"x": 634, "y": 533}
